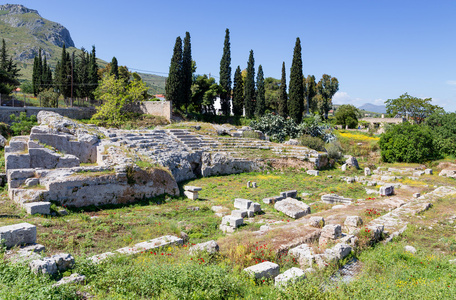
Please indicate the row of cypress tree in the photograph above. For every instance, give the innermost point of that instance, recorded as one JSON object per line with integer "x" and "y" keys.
{"x": 74, "y": 75}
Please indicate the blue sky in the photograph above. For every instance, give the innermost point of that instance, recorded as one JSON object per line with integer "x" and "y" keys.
{"x": 378, "y": 49}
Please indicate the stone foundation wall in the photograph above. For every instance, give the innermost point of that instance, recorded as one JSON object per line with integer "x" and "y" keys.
{"x": 77, "y": 113}
{"x": 157, "y": 108}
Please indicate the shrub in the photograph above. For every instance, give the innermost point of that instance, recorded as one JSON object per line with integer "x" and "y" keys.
{"x": 334, "y": 150}
{"x": 347, "y": 115}
{"x": 407, "y": 143}
{"x": 22, "y": 125}
{"x": 5, "y": 130}
{"x": 443, "y": 127}
{"x": 49, "y": 98}
{"x": 312, "y": 142}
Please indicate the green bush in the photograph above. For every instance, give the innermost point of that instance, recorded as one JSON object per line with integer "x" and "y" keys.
{"x": 347, "y": 115}
{"x": 408, "y": 143}
{"x": 22, "y": 125}
{"x": 5, "y": 130}
{"x": 312, "y": 142}
{"x": 334, "y": 150}
{"x": 443, "y": 127}
{"x": 49, "y": 98}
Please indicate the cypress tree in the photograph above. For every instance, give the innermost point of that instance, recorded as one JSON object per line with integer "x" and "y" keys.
{"x": 225, "y": 75}
{"x": 173, "y": 88}
{"x": 249, "y": 87}
{"x": 37, "y": 74}
{"x": 283, "y": 94}
{"x": 238, "y": 92}
{"x": 187, "y": 71}
{"x": 93, "y": 72}
{"x": 296, "y": 93}
{"x": 260, "y": 94}
{"x": 63, "y": 78}
{"x": 114, "y": 68}
{"x": 3, "y": 56}
{"x": 310, "y": 91}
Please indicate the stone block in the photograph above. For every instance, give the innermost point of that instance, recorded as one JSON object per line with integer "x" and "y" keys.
{"x": 418, "y": 173}
{"x": 289, "y": 194}
{"x": 44, "y": 266}
{"x": 29, "y": 182}
{"x": 209, "y": 247}
{"x": 293, "y": 208}
{"x": 367, "y": 172}
{"x": 249, "y": 185}
{"x": 410, "y": 249}
{"x": 353, "y": 221}
{"x": 343, "y": 167}
{"x": 232, "y": 221}
{"x": 331, "y": 231}
{"x": 254, "y": 185}
{"x": 73, "y": 278}
{"x": 192, "y": 188}
{"x": 17, "y": 161}
{"x": 416, "y": 195}
{"x": 316, "y": 221}
{"x": 352, "y": 162}
{"x": 17, "y": 144}
{"x": 334, "y": 198}
{"x": 340, "y": 250}
{"x": 291, "y": 275}
{"x": 255, "y": 207}
{"x": 191, "y": 195}
{"x": 313, "y": 172}
{"x": 350, "y": 179}
{"x": 18, "y": 234}
{"x": 428, "y": 172}
{"x": 265, "y": 269}
{"x": 42, "y": 208}
{"x": 64, "y": 261}
{"x": 304, "y": 254}
{"x": 242, "y": 203}
{"x": 226, "y": 228}
{"x": 272, "y": 200}
{"x": 239, "y": 213}
{"x": 386, "y": 190}
{"x": 250, "y": 214}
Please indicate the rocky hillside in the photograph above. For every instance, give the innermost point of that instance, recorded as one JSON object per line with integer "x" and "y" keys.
{"x": 25, "y": 32}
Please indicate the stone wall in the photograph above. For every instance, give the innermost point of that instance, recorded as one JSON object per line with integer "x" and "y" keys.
{"x": 77, "y": 113}
{"x": 157, "y": 108}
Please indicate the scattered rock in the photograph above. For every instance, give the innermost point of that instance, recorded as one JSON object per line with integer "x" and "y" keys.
{"x": 291, "y": 275}
{"x": 293, "y": 208}
{"x": 316, "y": 221}
{"x": 410, "y": 249}
{"x": 265, "y": 269}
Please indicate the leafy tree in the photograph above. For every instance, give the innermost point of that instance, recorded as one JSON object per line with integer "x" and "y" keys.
{"x": 9, "y": 72}
{"x": 296, "y": 88}
{"x": 310, "y": 91}
{"x": 187, "y": 71}
{"x": 225, "y": 75}
{"x": 260, "y": 107}
{"x": 117, "y": 96}
{"x": 173, "y": 88}
{"x": 272, "y": 89}
{"x": 249, "y": 87}
{"x": 204, "y": 92}
{"x": 283, "y": 97}
{"x": 238, "y": 93}
{"x": 418, "y": 109}
{"x": 347, "y": 115}
{"x": 443, "y": 128}
{"x": 407, "y": 143}
{"x": 114, "y": 68}
{"x": 326, "y": 88}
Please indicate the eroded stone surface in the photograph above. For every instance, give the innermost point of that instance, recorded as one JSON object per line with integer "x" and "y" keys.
{"x": 265, "y": 269}
{"x": 293, "y": 208}
{"x": 18, "y": 234}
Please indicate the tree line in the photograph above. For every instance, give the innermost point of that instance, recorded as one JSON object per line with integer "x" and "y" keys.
{"x": 9, "y": 72}
{"x": 247, "y": 94}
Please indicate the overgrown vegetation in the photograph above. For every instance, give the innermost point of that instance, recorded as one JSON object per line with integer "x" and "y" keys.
{"x": 22, "y": 125}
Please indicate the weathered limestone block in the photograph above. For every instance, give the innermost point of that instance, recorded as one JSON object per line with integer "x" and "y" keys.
{"x": 304, "y": 255}
{"x": 352, "y": 162}
{"x": 291, "y": 275}
{"x": 343, "y": 168}
{"x": 387, "y": 190}
{"x": 313, "y": 172}
{"x": 418, "y": 173}
{"x": 73, "y": 278}
{"x": 255, "y": 207}
{"x": 232, "y": 221}
{"x": 221, "y": 163}
{"x": 227, "y": 228}
{"x": 192, "y": 188}
{"x": 17, "y": 144}
{"x": 293, "y": 208}
{"x": 331, "y": 231}
{"x": 448, "y": 173}
{"x": 47, "y": 159}
{"x": 191, "y": 195}
{"x": 18, "y": 234}
{"x": 239, "y": 213}
{"x": 272, "y": 200}
{"x": 353, "y": 221}
{"x": 316, "y": 221}
{"x": 428, "y": 171}
{"x": 340, "y": 250}
{"x": 64, "y": 261}
{"x": 416, "y": 195}
{"x": 289, "y": 194}
{"x": 29, "y": 182}
{"x": 209, "y": 247}
{"x": 265, "y": 269}
{"x": 17, "y": 161}
{"x": 242, "y": 203}
{"x": 367, "y": 172}
{"x": 410, "y": 249}
{"x": 42, "y": 208}
{"x": 44, "y": 266}
{"x": 333, "y": 198}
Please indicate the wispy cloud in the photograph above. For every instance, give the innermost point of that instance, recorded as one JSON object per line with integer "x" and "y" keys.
{"x": 345, "y": 98}
{"x": 451, "y": 82}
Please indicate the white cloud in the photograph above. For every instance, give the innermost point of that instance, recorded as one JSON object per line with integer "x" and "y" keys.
{"x": 451, "y": 82}
{"x": 345, "y": 98}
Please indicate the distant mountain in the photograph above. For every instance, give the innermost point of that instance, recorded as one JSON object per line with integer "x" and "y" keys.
{"x": 380, "y": 109}
{"x": 25, "y": 32}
